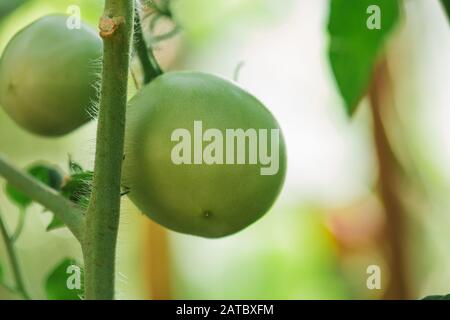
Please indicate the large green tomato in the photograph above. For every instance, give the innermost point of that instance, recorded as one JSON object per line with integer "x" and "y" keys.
{"x": 196, "y": 155}
{"x": 48, "y": 74}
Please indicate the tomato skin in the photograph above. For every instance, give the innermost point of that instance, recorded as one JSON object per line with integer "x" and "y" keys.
{"x": 205, "y": 200}
{"x": 48, "y": 74}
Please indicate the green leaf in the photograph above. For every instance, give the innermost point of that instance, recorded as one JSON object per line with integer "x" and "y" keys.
{"x": 55, "y": 224}
{"x": 446, "y": 4}
{"x": 17, "y": 197}
{"x": 354, "y": 48}
{"x": 437, "y": 297}
{"x": 78, "y": 188}
{"x": 46, "y": 174}
{"x": 65, "y": 281}
{"x": 74, "y": 167}
{"x": 7, "y": 7}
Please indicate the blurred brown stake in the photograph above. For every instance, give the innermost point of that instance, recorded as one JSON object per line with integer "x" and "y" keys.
{"x": 381, "y": 97}
{"x": 157, "y": 262}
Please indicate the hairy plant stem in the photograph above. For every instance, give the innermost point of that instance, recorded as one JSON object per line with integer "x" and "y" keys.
{"x": 65, "y": 210}
{"x": 381, "y": 96}
{"x": 102, "y": 216}
{"x": 11, "y": 251}
{"x": 150, "y": 66}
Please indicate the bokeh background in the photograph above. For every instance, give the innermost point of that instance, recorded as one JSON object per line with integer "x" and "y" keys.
{"x": 329, "y": 223}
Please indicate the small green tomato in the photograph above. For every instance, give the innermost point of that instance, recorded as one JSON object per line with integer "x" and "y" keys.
{"x": 203, "y": 156}
{"x": 47, "y": 76}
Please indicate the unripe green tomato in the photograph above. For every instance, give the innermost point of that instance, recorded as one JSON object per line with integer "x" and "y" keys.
{"x": 183, "y": 189}
{"x": 48, "y": 74}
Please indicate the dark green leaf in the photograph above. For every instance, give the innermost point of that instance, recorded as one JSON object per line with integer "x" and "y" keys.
{"x": 17, "y": 197}
{"x": 354, "y": 48}
{"x": 46, "y": 174}
{"x": 74, "y": 167}
{"x": 78, "y": 188}
{"x": 446, "y": 4}
{"x": 55, "y": 224}
{"x": 437, "y": 297}
{"x": 7, "y": 7}
{"x": 65, "y": 281}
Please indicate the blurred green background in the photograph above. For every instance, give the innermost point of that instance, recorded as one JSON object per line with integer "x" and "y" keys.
{"x": 329, "y": 224}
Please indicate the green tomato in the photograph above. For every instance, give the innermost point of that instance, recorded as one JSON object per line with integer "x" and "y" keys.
{"x": 182, "y": 165}
{"x": 48, "y": 74}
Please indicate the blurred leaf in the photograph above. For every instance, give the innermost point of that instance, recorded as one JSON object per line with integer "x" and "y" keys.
{"x": 354, "y": 48}
{"x": 74, "y": 167}
{"x": 78, "y": 188}
{"x": 45, "y": 174}
{"x": 437, "y": 297}
{"x": 205, "y": 20}
{"x": 8, "y": 6}
{"x": 446, "y": 4}
{"x": 161, "y": 7}
{"x": 55, "y": 224}
{"x": 17, "y": 197}
{"x": 48, "y": 175}
{"x": 65, "y": 281}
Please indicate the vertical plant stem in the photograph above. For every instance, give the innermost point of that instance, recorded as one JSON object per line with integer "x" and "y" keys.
{"x": 102, "y": 217}
{"x": 381, "y": 96}
{"x": 10, "y": 249}
{"x": 150, "y": 66}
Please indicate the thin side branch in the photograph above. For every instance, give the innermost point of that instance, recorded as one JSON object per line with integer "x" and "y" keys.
{"x": 11, "y": 251}
{"x": 150, "y": 66}
{"x": 65, "y": 210}
{"x": 19, "y": 228}
{"x": 381, "y": 96}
